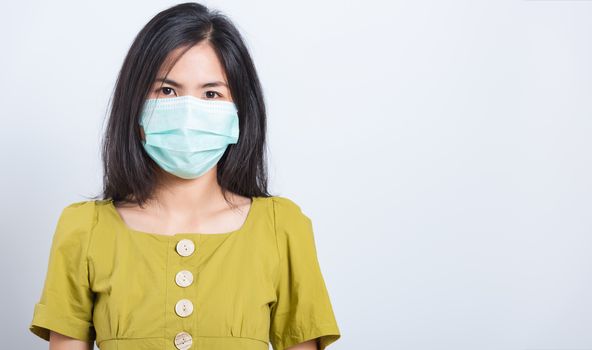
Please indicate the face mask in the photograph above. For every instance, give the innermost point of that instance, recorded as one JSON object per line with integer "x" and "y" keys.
{"x": 187, "y": 136}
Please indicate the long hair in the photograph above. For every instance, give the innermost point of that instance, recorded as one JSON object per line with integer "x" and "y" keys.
{"x": 130, "y": 175}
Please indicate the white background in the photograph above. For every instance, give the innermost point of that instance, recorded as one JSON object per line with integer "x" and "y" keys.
{"x": 441, "y": 148}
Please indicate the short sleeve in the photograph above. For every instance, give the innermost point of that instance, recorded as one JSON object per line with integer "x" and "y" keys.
{"x": 302, "y": 310}
{"x": 66, "y": 301}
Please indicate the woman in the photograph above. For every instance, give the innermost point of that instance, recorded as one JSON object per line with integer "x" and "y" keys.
{"x": 186, "y": 248}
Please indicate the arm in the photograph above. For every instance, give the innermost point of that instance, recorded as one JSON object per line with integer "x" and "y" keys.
{"x": 67, "y": 299}
{"x": 307, "y": 345}
{"x": 58, "y": 341}
{"x": 302, "y": 316}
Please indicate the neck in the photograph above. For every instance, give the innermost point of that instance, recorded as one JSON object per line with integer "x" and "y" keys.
{"x": 182, "y": 196}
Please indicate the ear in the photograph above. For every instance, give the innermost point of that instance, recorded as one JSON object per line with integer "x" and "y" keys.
{"x": 142, "y": 135}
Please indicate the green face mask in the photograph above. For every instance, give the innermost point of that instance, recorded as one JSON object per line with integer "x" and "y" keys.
{"x": 187, "y": 136}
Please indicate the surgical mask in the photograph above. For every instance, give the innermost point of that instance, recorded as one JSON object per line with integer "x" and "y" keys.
{"x": 186, "y": 136}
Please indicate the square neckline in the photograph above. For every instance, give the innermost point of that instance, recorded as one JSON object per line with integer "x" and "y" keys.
{"x": 121, "y": 223}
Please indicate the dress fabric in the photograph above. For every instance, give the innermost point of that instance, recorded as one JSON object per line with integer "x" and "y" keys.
{"x": 257, "y": 286}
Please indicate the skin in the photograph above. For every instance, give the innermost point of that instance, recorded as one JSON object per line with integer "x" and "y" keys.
{"x": 185, "y": 205}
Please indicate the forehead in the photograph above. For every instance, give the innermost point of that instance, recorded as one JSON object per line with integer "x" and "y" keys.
{"x": 197, "y": 64}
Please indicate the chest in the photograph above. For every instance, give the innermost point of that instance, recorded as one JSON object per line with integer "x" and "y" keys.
{"x": 216, "y": 285}
{"x": 152, "y": 221}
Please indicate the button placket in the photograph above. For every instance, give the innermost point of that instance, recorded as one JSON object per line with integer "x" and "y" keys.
{"x": 184, "y": 307}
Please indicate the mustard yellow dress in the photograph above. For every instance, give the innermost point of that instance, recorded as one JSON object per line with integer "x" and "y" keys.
{"x": 241, "y": 290}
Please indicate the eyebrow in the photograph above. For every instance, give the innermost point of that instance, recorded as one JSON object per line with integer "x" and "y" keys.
{"x": 177, "y": 85}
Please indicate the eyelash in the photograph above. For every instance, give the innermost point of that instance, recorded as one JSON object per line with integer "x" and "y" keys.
{"x": 166, "y": 87}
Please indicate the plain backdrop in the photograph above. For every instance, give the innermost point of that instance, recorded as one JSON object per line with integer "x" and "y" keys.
{"x": 441, "y": 148}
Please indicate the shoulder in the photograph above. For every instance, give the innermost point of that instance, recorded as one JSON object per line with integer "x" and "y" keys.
{"x": 78, "y": 213}
{"x": 294, "y": 234}
{"x": 290, "y": 219}
{"x": 75, "y": 222}
{"x": 287, "y": 209}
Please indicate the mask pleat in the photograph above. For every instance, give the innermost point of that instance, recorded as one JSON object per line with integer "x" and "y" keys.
{"x": 187, "y": 136}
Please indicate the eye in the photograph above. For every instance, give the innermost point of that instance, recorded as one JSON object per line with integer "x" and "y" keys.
{"x": 212, "y": 94}
{"x": 166, "y": 90}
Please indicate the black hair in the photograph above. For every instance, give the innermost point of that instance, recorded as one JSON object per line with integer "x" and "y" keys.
{"x": 130, "y": 175}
